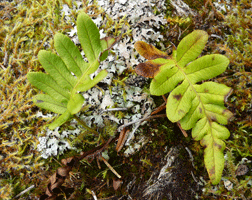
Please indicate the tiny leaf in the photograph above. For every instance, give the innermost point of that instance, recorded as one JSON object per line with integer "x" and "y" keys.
{"x": 208, "y": 101}
{"x": 168, "y": 77}
{"x": 213, "y": 154}
{"x": 57, "y": 69}
{"x": 106, "y": 44}
{"x": 179, "y": 102}
{"x": 86, "y": 86}
{"x": 206, "y": 67}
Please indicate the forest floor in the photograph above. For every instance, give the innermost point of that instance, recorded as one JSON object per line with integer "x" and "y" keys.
{"x": 26, "y": 27}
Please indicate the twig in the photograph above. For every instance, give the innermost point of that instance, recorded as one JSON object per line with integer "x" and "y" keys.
{"x": 5, "y": 61}
{"x": 132, "y": 133}
{"x": 57, "y": 161}
{"x": 190, "y": 155}
{"x": 165, "y": 99}
{"x": 58, "y": 178}
{"x": 95, "y": 151}
{"x": 110, "y": 167}
{"x": 182, "y": 130}
{"x": 94, "y": 195}
{"x": 194, "y": 178}
{"x": 2, "y": 67}
{"x": 121, "y": 140}
{"x": 158, "y": 109}
{"x": 26, "y": 190}
{"x": 140, "y": 121}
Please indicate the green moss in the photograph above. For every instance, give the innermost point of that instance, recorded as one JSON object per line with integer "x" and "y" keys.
{"x": 22, "y": 34}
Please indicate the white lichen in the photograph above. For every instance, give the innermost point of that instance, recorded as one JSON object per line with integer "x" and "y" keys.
{"x": 54, "y": 143}
{"x": 140, "y": 16}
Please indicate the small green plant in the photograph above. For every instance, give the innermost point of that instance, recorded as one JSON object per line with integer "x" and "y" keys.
{"x": 195, "y": 106}
{"x": 60, "y": 85}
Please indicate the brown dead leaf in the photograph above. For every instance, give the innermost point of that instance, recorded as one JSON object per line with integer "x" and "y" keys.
{"x": 117, "y": 183}
{"x": 148, "y": 51}
{"x": 54, "y": 187}
{"x": 68, "y": 161}
{"x": 63, "y": 171}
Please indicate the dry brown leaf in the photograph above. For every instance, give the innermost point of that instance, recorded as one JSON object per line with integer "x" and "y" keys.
{"x": 117, "y": 183}
{"x": 58, "y": 178}
{"x": 148, "y": 51}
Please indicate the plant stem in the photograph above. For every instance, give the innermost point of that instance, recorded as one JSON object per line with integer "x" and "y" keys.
{"x": 85, "y": 126}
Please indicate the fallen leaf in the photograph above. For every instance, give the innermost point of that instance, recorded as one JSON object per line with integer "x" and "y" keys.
{"x": 117, "y": 183}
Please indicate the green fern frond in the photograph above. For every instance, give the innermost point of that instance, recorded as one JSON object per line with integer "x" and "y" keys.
{"x": 60, "y": 85}
{"x": 199, "y": 107}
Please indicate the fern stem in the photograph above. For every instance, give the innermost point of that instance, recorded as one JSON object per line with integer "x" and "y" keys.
{"x": 85, "y": 125}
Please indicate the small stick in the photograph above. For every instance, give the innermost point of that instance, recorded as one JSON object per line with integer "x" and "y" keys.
{"x": 2, "y": 67}
{"x": 133, "y": 122}
{"x": 190, "y": 155}
{"x": 26, "y": 190}
{"x": 128, "y": 124}
{"x": 98, "y": 163}
{"x": 93, "y": 194}
{"x": 110, "y": 167}
{"x": 165, "y": 99}
{"x": 182, "y": 130}
{"x": 96, "y": 150}
{"x": 121, "y": 139}
{"x": 57, "y": 161}
{"x": 137, "y": 126}
{"x": 5, "y": 63}
{"x": 132, "y": 134}
{"x": 194, "y": 178}
{"x": 158, "y": 109}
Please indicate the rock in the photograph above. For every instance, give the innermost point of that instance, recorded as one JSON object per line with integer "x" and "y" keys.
{"x": 174, "y": 180}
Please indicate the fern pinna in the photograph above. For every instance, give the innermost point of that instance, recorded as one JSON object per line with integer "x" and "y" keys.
{"x": 67, "y": 73}
{"x": 195, "y": 106}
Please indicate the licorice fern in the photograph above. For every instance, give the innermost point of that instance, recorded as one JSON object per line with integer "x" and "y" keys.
{"x": 195, "y": 106}
{"x": 67, "y": 73}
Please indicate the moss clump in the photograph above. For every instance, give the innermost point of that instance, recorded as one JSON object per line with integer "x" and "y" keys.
{"x": 23, "y": 33}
